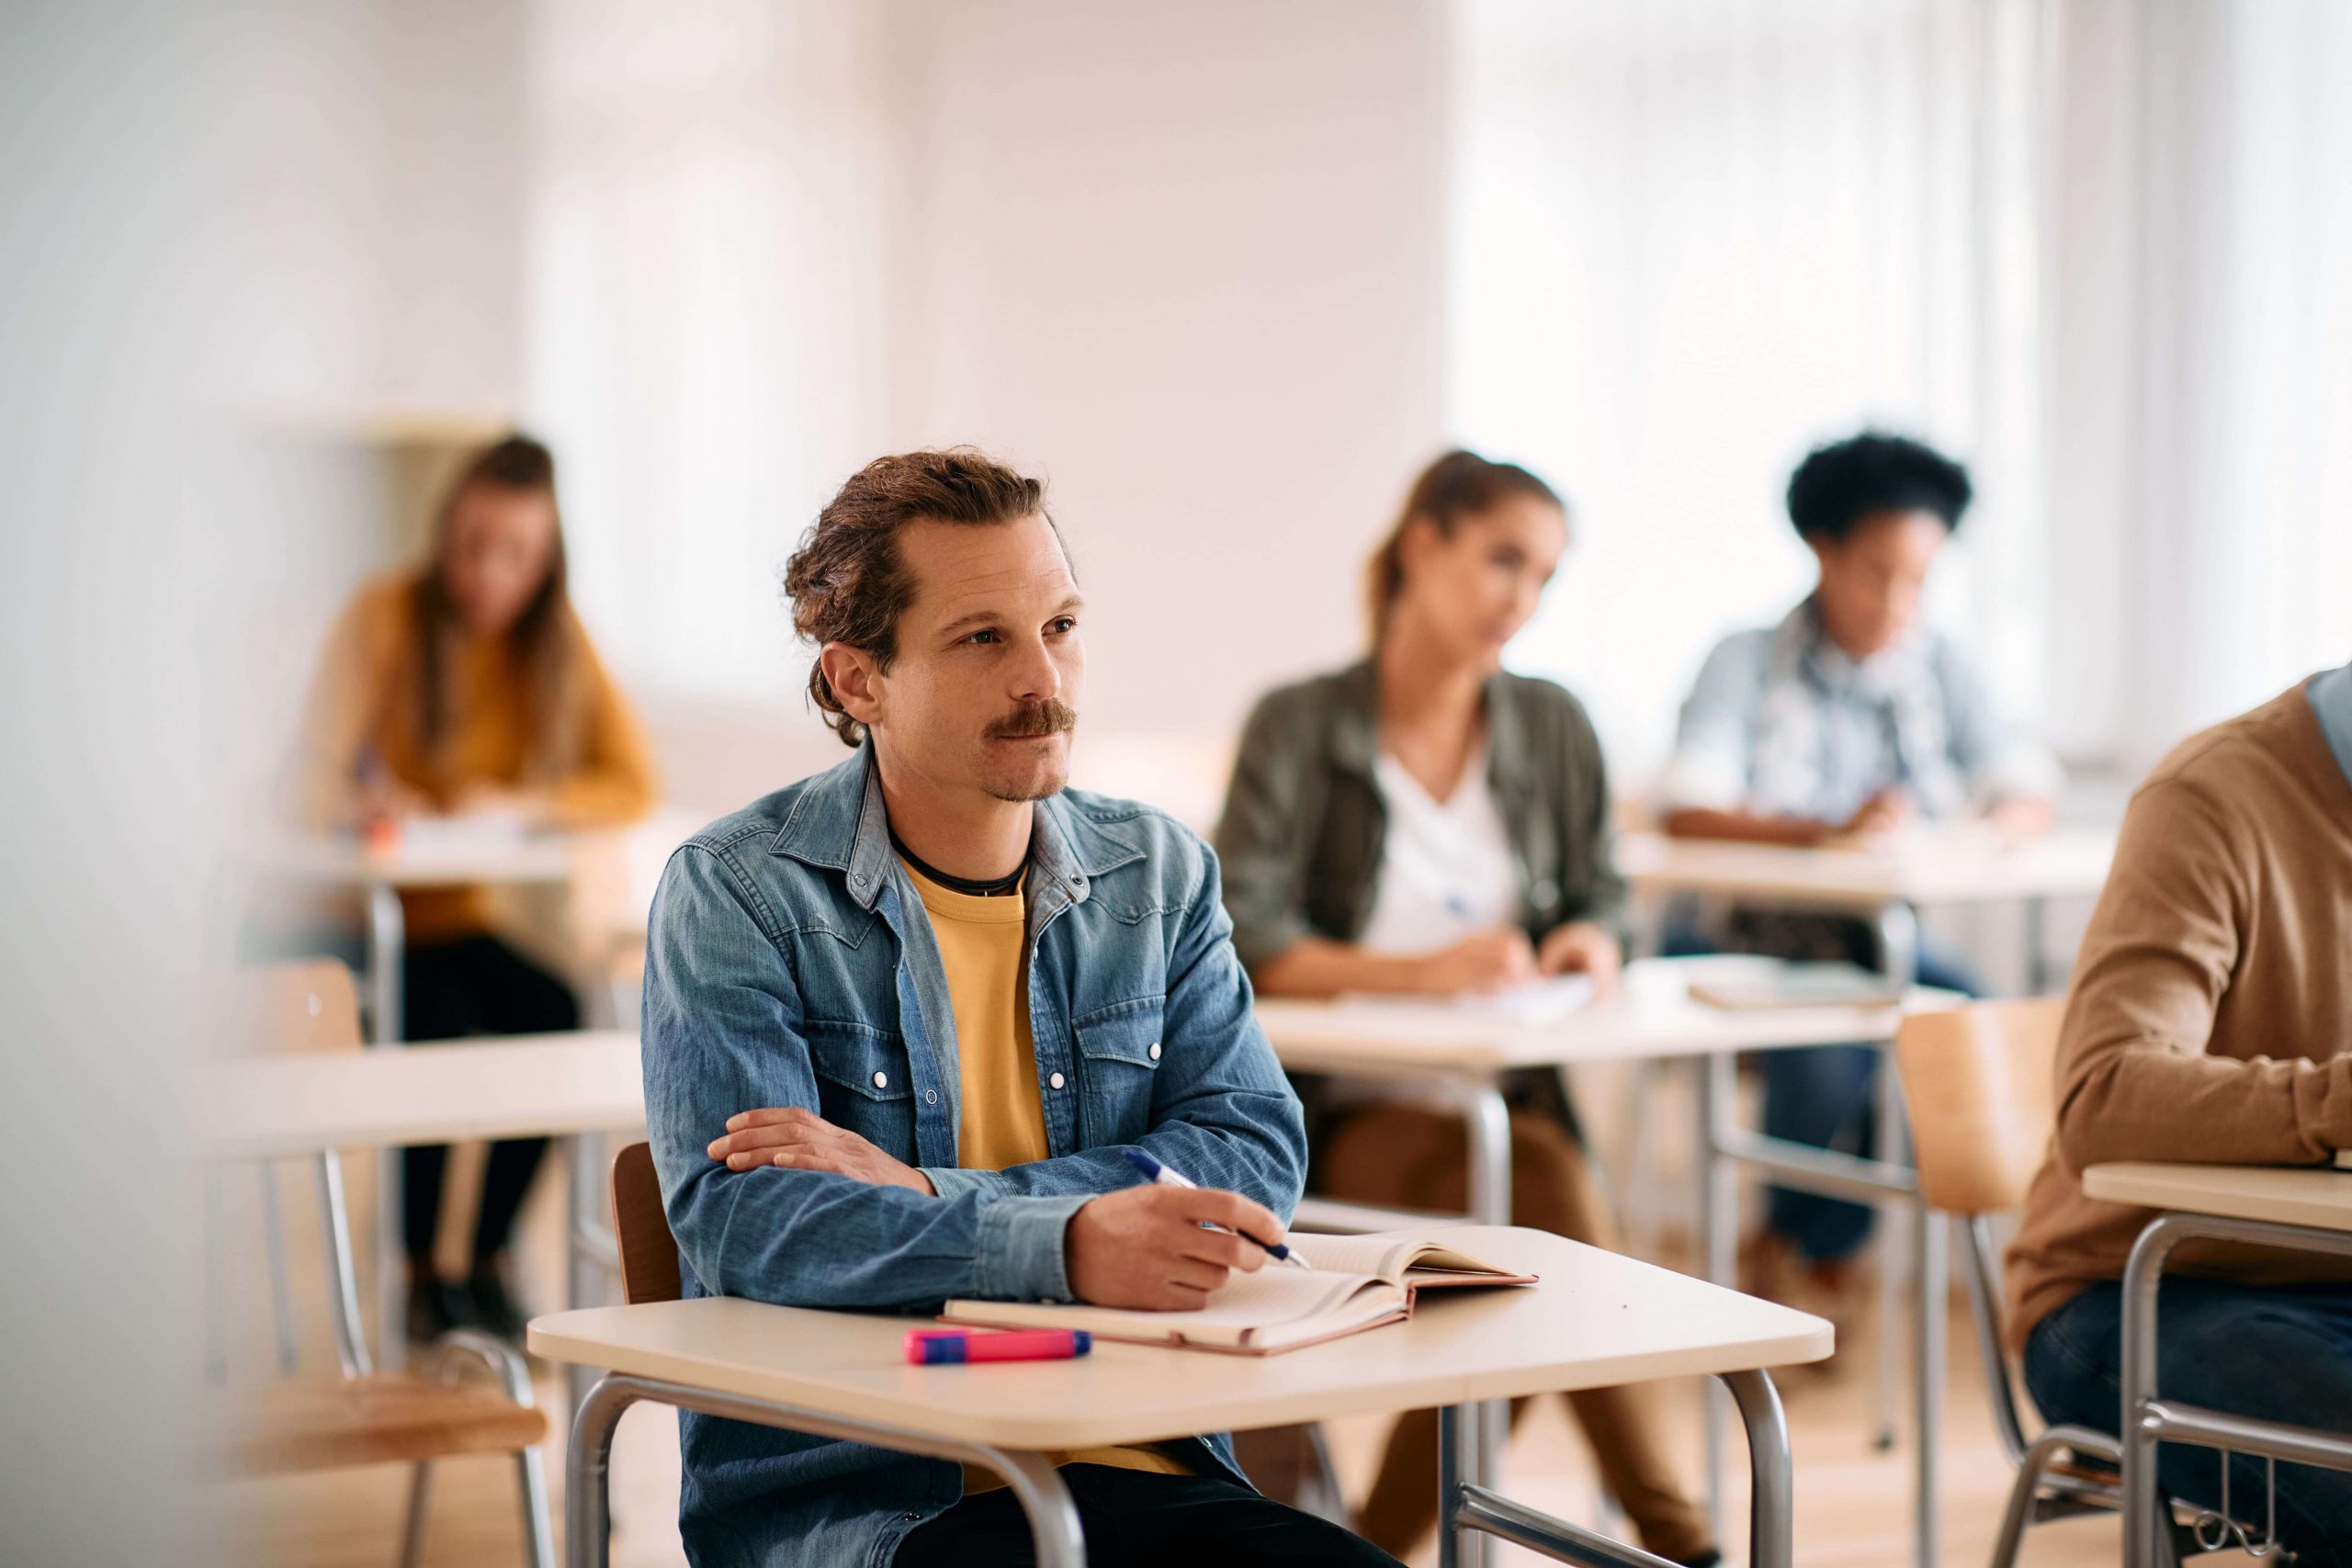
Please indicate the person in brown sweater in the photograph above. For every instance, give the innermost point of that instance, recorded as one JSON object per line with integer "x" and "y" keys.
{"x": 2210, "y": 1020}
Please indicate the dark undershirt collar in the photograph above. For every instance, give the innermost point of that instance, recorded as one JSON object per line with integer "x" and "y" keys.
{"x": 996, "y": 888}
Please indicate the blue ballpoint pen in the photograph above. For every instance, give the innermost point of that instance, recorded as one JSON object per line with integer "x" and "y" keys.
{"x": 1152, "y": 1170}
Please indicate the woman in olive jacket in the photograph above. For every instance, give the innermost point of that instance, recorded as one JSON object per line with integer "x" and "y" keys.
{"x": 1424, "y": 823}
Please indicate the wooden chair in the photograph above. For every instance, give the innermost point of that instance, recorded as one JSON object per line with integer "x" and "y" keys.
{"x": 648, "y": 1253}
{"x": 364, "y": 1416}
{"x": 1979, "y": 1083}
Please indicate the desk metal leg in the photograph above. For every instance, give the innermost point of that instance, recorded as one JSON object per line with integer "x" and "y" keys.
{"x": 1933, "y": 1247}
{"x": 1897, "y": 926}
{"x": 1490, "y": 1127}
{"x": 1489, "y": 1120}
{"x": 1719, "y": 1224}
{"x": 2142, "y": 1276}
{"x": 1897, "y": 1262}
{"x": 2038, "y": 967}
{"x": 1467, "y": 1513}
{"x": 387, "y": 953}
{"x": 2147, "y": 1420}
{"x": 1771, "y": 1522}
{"x": 587, "y": 1492}
{"x": 1457, "y": 1428}
{"x": 583, "y": 1196}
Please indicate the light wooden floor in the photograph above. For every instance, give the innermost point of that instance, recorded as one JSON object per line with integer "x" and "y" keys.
{"x": 1853, "y": 1503}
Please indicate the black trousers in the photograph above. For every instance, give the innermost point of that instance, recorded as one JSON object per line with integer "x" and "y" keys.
{"x": 1133, "y": 1519}
{"x": 476, "y": 985}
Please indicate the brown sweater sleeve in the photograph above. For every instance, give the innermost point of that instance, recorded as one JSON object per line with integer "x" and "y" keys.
{"x": 2135, "y": 1080}
{"x": 615, "y": 781}
{"x": 339, "y": 715}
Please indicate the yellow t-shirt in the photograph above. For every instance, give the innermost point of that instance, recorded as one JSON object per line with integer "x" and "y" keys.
{"x": 1003, "y": 1119}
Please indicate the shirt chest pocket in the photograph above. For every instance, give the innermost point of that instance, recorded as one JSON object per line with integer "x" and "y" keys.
{"x": 1119, "y": 1054}
{"x": 863, "y": 1084}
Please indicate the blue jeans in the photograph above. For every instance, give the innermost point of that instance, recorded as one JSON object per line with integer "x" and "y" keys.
{"x": 2282, "y": 1352}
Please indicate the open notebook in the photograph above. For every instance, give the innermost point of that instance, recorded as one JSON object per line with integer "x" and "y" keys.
{"x": 1350, "y": 1283}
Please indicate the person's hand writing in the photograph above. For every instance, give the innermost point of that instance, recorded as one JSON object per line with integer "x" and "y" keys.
{"x": 2022, "y": 817}
{"x": 793, "y": 1139}
{"x": 384, "y": 797}
{"x": 1481, "y": 962}
{"x": 1881, "y": 813}
{"x": 1144, "y": 1247}
{"x": 1582, "y": 948}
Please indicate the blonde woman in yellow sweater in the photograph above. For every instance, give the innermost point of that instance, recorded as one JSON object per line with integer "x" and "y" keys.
{"x": 468, "y": 687}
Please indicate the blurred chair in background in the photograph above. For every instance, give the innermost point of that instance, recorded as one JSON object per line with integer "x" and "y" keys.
{"x": 362, "y": 1416}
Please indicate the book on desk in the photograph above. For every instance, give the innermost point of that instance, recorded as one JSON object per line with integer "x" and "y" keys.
{"x": 1797, "y": 985}
{"x": 1350, "y": 1283}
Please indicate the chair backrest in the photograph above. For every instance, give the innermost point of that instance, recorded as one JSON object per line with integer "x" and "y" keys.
{"x": 307, "y": 1008}
{"x": 642, "y": 1230}
{"x": 1977, "y": 1083}
{"x": 288, "y": 1009}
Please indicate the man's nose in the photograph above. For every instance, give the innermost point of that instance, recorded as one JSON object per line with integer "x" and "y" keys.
{"x": 1034, "y": 676}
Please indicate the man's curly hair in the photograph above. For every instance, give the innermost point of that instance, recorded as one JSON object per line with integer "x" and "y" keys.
{"x": 846, "y": 582}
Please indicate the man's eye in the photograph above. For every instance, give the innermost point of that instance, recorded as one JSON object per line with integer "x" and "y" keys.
{"x": 987, "y": 635}
{"x": 1062, "y": 624}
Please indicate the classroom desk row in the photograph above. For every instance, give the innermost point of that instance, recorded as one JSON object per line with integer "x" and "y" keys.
{"x": 1598, "y": 1319}
{"x": 1887, "y": 883}
{"x": 577, "y": 1085}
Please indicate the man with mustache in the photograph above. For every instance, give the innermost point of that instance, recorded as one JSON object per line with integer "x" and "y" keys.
{"x": 901, "y": 1018}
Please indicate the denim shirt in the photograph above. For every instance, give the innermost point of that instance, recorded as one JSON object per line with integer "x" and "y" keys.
{"x": 789, "y": 962}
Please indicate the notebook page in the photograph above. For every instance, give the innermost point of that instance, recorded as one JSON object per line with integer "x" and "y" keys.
{"x": 1384, "y": 1257}
{"x": 1381, "y": 1257}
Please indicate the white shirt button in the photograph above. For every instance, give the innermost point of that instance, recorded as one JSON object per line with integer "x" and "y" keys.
{"x": 881, "y": 1081}
{"x": 1155, "y": 1051}
{"x": 1054, "y": 1082}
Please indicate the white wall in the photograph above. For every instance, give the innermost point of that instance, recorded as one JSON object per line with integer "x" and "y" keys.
{"x": 1186, "y": 261}
{"x": 1182, "y": 260}
{"x": 2200, "y": 388}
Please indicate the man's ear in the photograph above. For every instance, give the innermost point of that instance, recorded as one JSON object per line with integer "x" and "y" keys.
{"x": 851, "y": 673}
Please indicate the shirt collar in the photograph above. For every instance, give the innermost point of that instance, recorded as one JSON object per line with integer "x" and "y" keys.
{"x": 841, "y": 822}
{"x": 2330, "y": 698}
{"x": 1803, "y": 647}
{"x": 1355, "y": 727}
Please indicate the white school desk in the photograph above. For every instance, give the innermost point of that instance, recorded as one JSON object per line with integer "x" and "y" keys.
{"x": 562, "y": 1086}
{"x": 380, "y": 875}
{"x": 1597, "y": 1319}
{"x": 1461, "y": 1051}
{"x": 2304, "y": 1210}
{"x": 1886, "y": 880}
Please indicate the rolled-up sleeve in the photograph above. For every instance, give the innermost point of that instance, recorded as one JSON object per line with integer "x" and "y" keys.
{"x": 1713, "y": 740}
